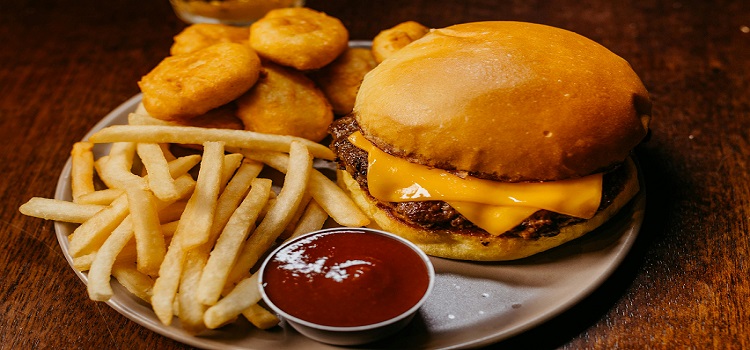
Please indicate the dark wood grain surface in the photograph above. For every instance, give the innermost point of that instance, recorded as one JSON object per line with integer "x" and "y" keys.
{"x": 685, "y": 284}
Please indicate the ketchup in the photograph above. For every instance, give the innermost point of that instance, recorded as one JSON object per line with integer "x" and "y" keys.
{"x": 345, "y": 278}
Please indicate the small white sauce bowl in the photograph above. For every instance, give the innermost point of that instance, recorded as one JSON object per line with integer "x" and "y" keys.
{"x": 349, "y": 335}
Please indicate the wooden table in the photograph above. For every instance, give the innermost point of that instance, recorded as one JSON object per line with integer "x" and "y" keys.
{"x": 686, "y": 283}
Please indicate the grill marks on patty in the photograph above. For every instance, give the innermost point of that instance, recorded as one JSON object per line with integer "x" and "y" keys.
{"x": 439, "y": 215}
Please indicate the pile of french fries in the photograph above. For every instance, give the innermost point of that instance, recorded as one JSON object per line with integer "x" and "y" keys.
{"x": 188, "y": 245}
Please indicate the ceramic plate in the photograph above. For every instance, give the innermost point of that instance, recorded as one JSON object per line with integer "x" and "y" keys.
{"x": 472, "y": 304}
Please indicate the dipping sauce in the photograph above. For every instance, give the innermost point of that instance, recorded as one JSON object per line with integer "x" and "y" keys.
{"x": 345, "y": 278}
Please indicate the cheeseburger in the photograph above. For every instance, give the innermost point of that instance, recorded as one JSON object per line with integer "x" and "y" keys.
{"x": 494, "y": 140}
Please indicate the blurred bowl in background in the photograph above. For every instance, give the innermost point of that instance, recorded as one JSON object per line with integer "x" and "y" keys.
{"x": 230, "y": 12}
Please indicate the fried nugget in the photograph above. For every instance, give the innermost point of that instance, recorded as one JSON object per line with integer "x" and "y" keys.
{"x": 285, "y": 102}
{"x": 340, "y": 80}
{"x": 202, "y": 35}
{"x": 223, "y": 117}
{"x": 299, "y": 37}
{"x": 393, "y": 39}
{"x": 186, "y": 86}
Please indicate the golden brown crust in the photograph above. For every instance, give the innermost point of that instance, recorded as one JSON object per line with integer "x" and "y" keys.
{"x": 388, "y": 41}
{"x": 340, "y": 80}
{"x": 189, "y": 85}
{"x": 516, "y": 100}
{"x": 453, "y": 245}
{"x": 222, "y": 117}
{"x": 299, "y": 37}
{"x": 202, "y": 35}
{"x": 285, "y": 102}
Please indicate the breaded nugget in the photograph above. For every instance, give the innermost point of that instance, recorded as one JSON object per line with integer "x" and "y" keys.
{"x": 393, "y": 39}
{"x": 189, "y": 85}
{"x": 285, "y": 102}
{"x": 223, "y": 117}
{"x": 299, "y": 37}
{"x": 202, "y": 35}
{"x": 340, "y": 80}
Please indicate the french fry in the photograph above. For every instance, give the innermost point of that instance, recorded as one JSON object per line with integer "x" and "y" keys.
{"x": 190, "y": 309}
{"x": 101, "y": 267}
{"x": 196, "y": 223}
{"x": 260, "y": 317}
{"x": 167, "y": 152}
{"x": 81, "y": 170}
{"x": 269, "y": 205}
{"x": 278, "y": 217}
{"x": 232, "y": 195}
{"x": 141, "y": 109}
{"x": 172, "y": 277}
{"x": 231, "y": 163}
{"x": 195, "y": 135}
{"x": 336, "y": 202}
{"x": 328, "y": 195}
{"x": 169, "y": 229}
{"x": 141, "y": 117}
{"x": 59, "y": 210}
{"x": 244, "y": 295}
{"x": 126, "y": 256}
{"x": 83, "y": 262}
{"x": 296, "y": 217}
{"x": 160, "y": 181}
{"x": 147, "y": 227}
{"x": 229, "y": 242}
{"x": 193, "y": 228}
{"x": 99, "y": 167}
{"x": 90, "y": 235}
{"x": 116, "y": 172}
{"x": 101, "y": 197}
{"x": 166, "y": 285}
{"x": 145, "y": 119}
{"x": 173, "y": 212}
{"x": 98, "y": 285}
{"x": 312, "y": 219}
{"x": 182, "y": 165}
{"x": 136, "y": 282}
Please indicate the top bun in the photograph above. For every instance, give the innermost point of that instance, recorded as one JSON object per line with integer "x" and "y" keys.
{"x": 509, "y": 101}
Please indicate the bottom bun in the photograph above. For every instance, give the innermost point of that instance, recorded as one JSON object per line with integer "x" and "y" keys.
{"x": 452, "y": 245}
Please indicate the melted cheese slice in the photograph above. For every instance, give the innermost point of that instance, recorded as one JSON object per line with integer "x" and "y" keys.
{"x": 494, "y": 206}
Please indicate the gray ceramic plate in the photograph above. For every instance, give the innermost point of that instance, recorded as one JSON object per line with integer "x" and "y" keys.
{"x": 473, "y": 304}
